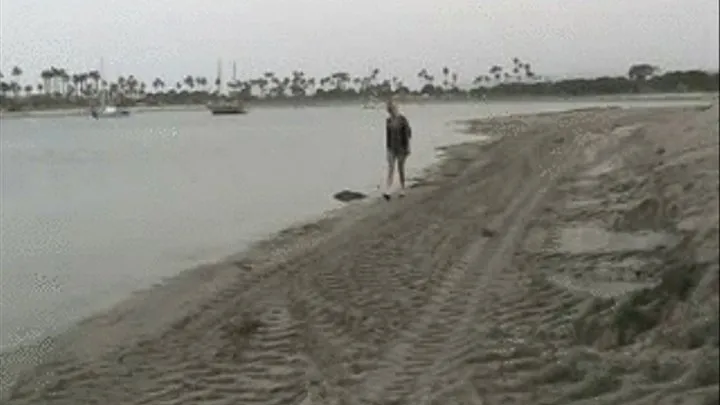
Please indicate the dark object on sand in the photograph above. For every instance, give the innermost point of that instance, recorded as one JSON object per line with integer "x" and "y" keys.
{"x": 487, "y": 233}
{"x": 347, "y": 196}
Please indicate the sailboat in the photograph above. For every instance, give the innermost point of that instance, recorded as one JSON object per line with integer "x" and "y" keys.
{"x": 104, "y": 109}
{"x": 224, "y": 106}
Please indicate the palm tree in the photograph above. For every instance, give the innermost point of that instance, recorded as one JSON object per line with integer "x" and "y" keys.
{"x": 64, "y": 77}
{"x": 16, "y": 72}
{"x": 77, "y": 81}
{"x": 528, "y": 71}
{"x": 52, "y": 74}
{"x": 202, "y": 82}
{"x": 311, "y": 83}
{"x": 132, "y": 85}
{"x": 189, "y": 82}
{"x": 429, "y": 79}
{"x": 284, "y": 86}
{"x": 276, "y": 88}
{"x": 262, "y": 84}
{"x": 642, "y": 72}
{"x": 94, "y": 75}
{"x": 395, "y": 82}
{"x": 15, "y": 87}
{"x": 55, "y": 81}
{"x": 518, "y": 65}
{"x": 268, "y": 77}
{"x": 121, "y": 85}
{"x": 446, "y": 80}
{"x": 324, "y": 81}
{"x": 158, "y": 84}
{"x": 496, "y": 72}
{"x": 4, "y": 88}
{"x": 385, "y": 88}
{"x": 47, "y": 76}
{"x": 339, "y": 80}
{"x": 297, "y": 83}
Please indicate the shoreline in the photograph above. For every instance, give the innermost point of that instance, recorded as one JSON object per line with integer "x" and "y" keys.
{"x": 186, "y": 297}
{"x": 81, "y": 111}
{"x": 290, "y": 239}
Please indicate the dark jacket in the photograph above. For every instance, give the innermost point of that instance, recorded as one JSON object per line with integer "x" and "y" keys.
{"x": 397, "y": 139}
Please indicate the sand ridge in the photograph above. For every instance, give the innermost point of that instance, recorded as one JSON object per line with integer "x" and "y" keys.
{"x": 468, "y": 291}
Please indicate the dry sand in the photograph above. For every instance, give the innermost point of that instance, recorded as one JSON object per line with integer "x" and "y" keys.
{"x": 571, "y": 260}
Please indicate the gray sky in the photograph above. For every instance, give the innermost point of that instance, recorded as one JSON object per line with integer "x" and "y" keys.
{"x": 172, "y": 38}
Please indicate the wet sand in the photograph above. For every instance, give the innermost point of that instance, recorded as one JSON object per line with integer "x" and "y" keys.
{"x": 570, "y": 259}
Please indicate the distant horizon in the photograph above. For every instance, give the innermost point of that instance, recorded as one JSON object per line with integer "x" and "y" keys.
{"x": 171, "y": 39}
{"x": 227, "y": 73}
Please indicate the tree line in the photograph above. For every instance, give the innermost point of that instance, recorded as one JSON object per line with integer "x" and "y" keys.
{"x": 56, "y": 87}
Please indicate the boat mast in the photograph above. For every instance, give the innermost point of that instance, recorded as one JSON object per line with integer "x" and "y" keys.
{"x": 219, "y": 77}
{"x": 99, "y": 90}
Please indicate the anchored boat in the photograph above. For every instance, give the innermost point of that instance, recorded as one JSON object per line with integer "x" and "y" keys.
{"x": 226, "y": 105}
{"x": 108, "y": 111}
{"x": 104, "y": 109}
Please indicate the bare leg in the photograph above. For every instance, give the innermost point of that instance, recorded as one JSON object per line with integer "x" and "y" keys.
{"x": 391, "y": 158}
{"x": 401, "y": 170}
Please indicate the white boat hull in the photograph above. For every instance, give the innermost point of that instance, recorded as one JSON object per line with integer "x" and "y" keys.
{"x": 110, "y": 112}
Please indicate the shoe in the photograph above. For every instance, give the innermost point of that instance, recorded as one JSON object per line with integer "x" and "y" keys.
{"x": 386, "y": 196}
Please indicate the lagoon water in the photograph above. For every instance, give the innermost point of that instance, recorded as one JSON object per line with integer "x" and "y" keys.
{"x": 92, "y": 210}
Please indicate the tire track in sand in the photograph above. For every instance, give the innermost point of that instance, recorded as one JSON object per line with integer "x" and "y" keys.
{"x": 353, "y": 310}
{"x": 520, "y": 357}
{"x": 450, "y": 316}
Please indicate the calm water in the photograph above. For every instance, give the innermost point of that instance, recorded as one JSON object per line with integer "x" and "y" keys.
{"x": 92, "y": 210}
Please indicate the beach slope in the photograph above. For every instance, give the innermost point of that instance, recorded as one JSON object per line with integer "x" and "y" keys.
{"x": 570, "y": 259}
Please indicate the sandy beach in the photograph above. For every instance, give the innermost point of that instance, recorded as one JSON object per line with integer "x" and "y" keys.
{"x": 572, "y": 258}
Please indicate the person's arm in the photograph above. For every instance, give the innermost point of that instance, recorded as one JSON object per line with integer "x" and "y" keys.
{"x": 408, "y": 129}
{"x": 387, "y": 134}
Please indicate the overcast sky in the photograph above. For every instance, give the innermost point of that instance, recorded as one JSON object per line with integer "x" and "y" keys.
{"x": 172, "y": 38}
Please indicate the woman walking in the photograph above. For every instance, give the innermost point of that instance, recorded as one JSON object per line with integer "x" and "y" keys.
{"x": 397, "y": 142}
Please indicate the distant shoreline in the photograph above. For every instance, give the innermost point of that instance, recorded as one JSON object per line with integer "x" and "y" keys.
{"x": 79, "y": 111}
